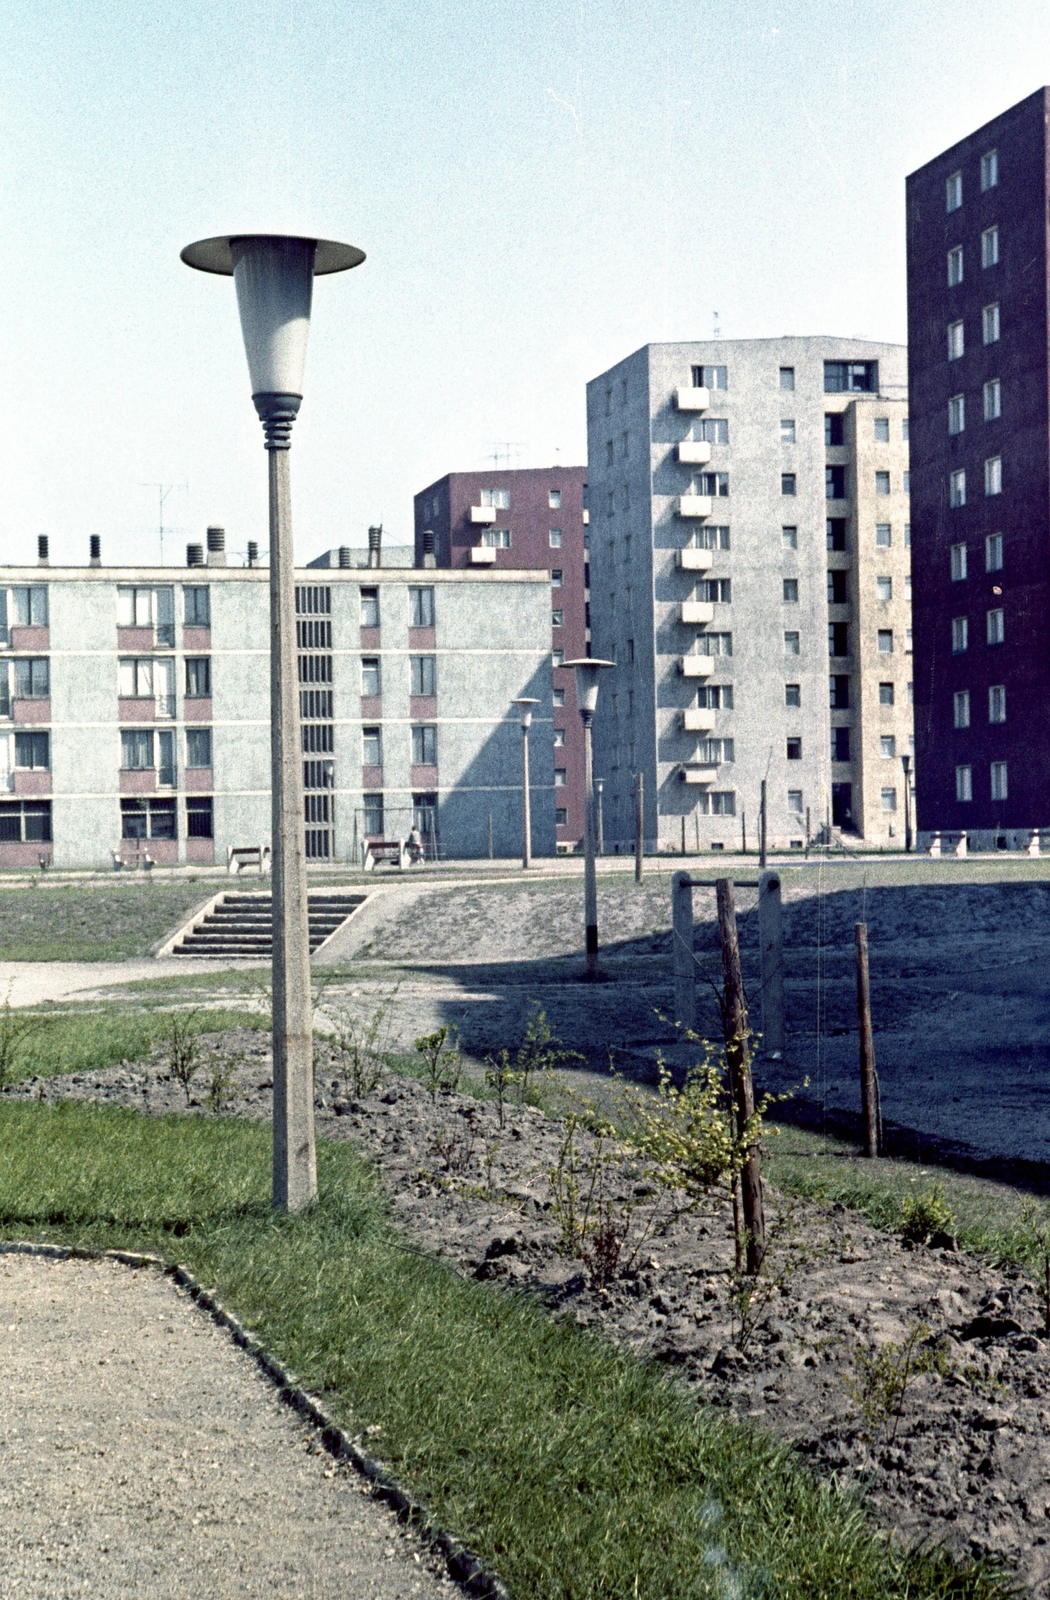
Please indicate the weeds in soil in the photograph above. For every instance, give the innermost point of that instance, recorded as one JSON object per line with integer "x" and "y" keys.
{"x": 502, "y": 1077}
{"x": 16, "y": 1029}
{"x": 222, "y": 1081}
{"x": 439, "y": 1053}
{"x": 455, "y": 1146}
{"x": 357, "y": 1046}
{"x": 1035, "y": 1228}
{"x": 925, "y": 1214}
{"x": 183, "y": 1048}
{"x": 882, "y": 1378}
{"x": 786, "y": 1255}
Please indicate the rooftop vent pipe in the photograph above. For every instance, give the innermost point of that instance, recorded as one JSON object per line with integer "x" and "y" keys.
{"x": 216, "y": 547}
{"x": 195, "y": 555}
{"x": 41, "y": 549}
{"x": 344, "y": 555}
{"x": 253, "y": 553}
{"x": 375, "y": 543}
{"x": 95, "y": 547}
{"x": 428, "y": 548}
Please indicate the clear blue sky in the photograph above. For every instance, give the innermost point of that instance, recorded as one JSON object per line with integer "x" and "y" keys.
{"x": 540, "y": 188}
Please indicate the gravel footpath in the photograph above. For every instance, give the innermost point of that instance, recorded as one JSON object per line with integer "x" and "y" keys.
{"x": 141, "y": 1453}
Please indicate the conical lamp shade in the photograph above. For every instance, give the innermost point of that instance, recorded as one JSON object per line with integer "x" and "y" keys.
{"x": 274, "y": 278}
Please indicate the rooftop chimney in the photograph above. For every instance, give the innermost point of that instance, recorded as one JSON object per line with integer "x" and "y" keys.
{"x": 195, "y": 555}
{"x": 344, "y": 555}
{"x": 216, "y": 547}
{"x": 253, "y": 553}
{"x": 375, "y": 542}
{"x": 428, "y": 548}
{"x": 41, "y": 549}
{"x": 95, "y": 547}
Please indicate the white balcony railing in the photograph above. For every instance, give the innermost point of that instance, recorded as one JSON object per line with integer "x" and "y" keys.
{"x": 694, "y": 452}
{"x": 698, "y": 719}
{"x": 698, "y": 774}
{"x": 482, "y": 555}
{"x": 690, "y": 560}
{"x": 694, "y": 505}
{"x": 696, "y": 666}
{"x": 483, "y": 514}
{"x": 692, "y": 399}
{"x": 696, "y": 613}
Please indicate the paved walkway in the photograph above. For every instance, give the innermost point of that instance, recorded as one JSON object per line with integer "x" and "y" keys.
{"x": 143, "y": 1454}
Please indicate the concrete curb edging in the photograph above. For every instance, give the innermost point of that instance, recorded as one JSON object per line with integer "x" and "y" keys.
{"x": 464, "y": 1567}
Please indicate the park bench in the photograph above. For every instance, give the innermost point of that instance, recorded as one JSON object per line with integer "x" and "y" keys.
{"x": 239, "y": 856}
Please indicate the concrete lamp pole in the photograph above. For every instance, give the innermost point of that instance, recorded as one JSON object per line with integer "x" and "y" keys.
{"x": 906, "y": 764}
{"x": 274, "y": 275}
{"x": 525, "y": 705}
{"x": 587, "y": 670}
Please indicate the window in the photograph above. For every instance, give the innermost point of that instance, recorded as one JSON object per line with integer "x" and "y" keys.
{"x": 422, "y": 669}
{"x": 839, "y": 697}
{"x": 625, "y": 443}
{"x": 787, "y": 430}
{"x": 961, "y": 705}
{"x": 911, "y": 694}
{"x": 717, "y": 591}
{"x": 835, "y": 483}
{"x": 990, "y": 170}
{"x": 838, "y": 639}
{"x": 560, "y": 777}
{"x": 717, "y": 803}
{"x": 370, "y": 608}
{"x": 907, "y": 536}
{"x": 795, "y": 805}
{"x": 887, "y": 747}
{"x": 373, "y": 818}
{"x": 958, "y": 562}
{"x": 993, "y": 475}
{"x": 714, "y": 751}
{"x": 715, "y": 697}
{"x": 559, "y": 737}
{"x": 882, "y": 430}
{"x": 905, "y": 429}
{"x": 834, "y": 433}
{"x": 28, "y": 820}
{"x": 836, "y": 533}
{"x": 884, "y": 639}
{"x": 197, "y": 607}
{"x": 789, "y": 537}
{"x": 712, "y": 538}
{"x": 794, "y": 749}
{"x": 990, "y": 247}
{"x": 421, "y": 608}
{"x": 313, "y": 633}
{"x": 791, "y": 644}
{"x": 957, "y": 413}
{"x": 790, "y": 591}
{"x": 371, "y": 747}
{"x": 557, "y": 618}
{"x": 884, "y": 588}
{"x": 883, "y": 535}
{"x": 955, "y": 266}
{"x": 30, "y": 608}
{"x": 994, "y": 627}
{"x": 318, "y": 774}
{"x": 136, "y": 749}
{"x": 840, "y": 744}
{"x": 793, "y": 694}
{"x": 198, "y": 747}
{"x": 148, "y": 819}
{"x": 990, "y": 323}
{"x": 32, "y": 679}
{"x": 787, "y": 483}
{"x": 496, "y": 538}
{"x": 371, "y": 680}
{"x": 316, "y": 737}
{"x": 906, "y": 482}
{"x": 558, "y": 697}
{"x": 907, "y": 587}
{"x": 555, "y": 538}
{"x": 709, "y": 378}
{"x": 957, "y": 488}
{"x": 33, "y": 751}
{"x": 993, "y": 553}
{"x": 882, "y": 483}
{"x": 885, "y": 694}
{"x": 997, "y": 703}
{"x": 960, "y": 635}
{"x": 198, "y": 677}
{"x": 714, "y": 430}
{"x": 199, "y": 819}
{"x": 993, "y": 400}
{"x": 851, "y": 377}
{"x": 500, "y": 498}
{"x": 715, "y": 484}
{"x": 557, "y": 657}
{"x": 712, "y": 644}
{"x": 953, "y": 192}
{"x": 838, "y": 591}
{"x": 787, "y": 377}
{"x": 964, "y": 783}
{"x": 889, "y": 799}
{"x": 999, "y": 788}
{"x": 561, "y": 815}
{"x": 166, "y": 759}
{"x": 424, "y": 747}
{"x": 956, "y": 341}
{"x": 554, "y": 499}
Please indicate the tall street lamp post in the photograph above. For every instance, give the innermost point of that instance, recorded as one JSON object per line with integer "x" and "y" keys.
{"x": 906, "y": 764}
{"x": 525, "y": 704}
{"x": 273, "y": 275}
{"x": 587, "y": 670}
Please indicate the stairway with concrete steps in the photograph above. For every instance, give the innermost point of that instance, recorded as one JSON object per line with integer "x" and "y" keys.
{"x": 242, "y": 924}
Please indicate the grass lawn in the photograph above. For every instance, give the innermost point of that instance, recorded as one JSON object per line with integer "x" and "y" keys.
{"x": 85, "y": 922}
{"x": 575, "y": 1471}
{"x": 75, "y": 1040}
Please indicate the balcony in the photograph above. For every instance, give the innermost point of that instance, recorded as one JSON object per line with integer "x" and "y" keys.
{"x": 694, "y": 452}
{"x": 696, "y": 613}
{"x": 486, "y": 515}
{"x": 691, "y": 560}
{"x": 692, "y": 399}
{"x": 696, "y": 666}
{"x": 694, "y": 505}
{"x": 482, "y": 555}
{"x": 698, "y": 720}
{"x": 698, "y": 773}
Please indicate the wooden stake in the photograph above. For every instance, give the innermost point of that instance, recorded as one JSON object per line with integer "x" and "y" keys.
{"x": 639, "y": 825}
{"x": 868, "y": 1079}
{"x": 762, "y": 827}
{"x": 734, "y": 1016}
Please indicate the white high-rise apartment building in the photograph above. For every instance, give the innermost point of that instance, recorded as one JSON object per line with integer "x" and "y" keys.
{"x": 750, "y": 577}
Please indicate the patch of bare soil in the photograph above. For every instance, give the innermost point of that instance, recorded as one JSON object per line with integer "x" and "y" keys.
{"x": 963, "y": 1454}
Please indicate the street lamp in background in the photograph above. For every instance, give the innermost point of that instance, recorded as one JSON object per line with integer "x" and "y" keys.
{"x": 599, "y": 784}
{"x": 906, "y": 764}
{"x": 525, "y": 705}
{"x": 587, "y": 670}
{"x": 274, "y": 275}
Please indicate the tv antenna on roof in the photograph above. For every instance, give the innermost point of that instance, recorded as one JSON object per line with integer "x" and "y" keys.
{"x": 163, "y": 491}
{"x": 717, "y": 332}
{"x": 503, "y": 450}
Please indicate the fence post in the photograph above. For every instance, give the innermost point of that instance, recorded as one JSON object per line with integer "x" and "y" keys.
{"x": 734, "y": 1016}
{"x": 869, "y": 1091}
{"x": 639, "y": 825}
{"x": 771, "y": 945}
{"x": 762, "y": 826}
{"x": 682, "y": 943}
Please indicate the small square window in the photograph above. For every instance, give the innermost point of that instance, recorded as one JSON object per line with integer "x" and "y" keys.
{"x": 555, "y": 538}
{"x": 993, "y": 553}
{"x": 794, "y": 749}
{"x": 883, "y": 535}
{"x": 882, "y": 483}
{"x": 887, "y": 747}
{"x": 795, "y": 805}
{"x": 990, "y": 170}
{"x": 791, "y": 591}
{"x": 557, "y": 618}
{"x": 792, "y": 646}
{"x": 884, "y": 588}
{"x": 558, "y": 697}
{"x": 787, "y": 430}
{"x": 993, "y": 400}
{"x": 561, "y": 816}
{"x": 885, "y": 694}
{"x": 788, "y": 483}
{"x": 953, "y": 192}
{"x": 990, "y": 323}
{"x": 371, "y": 747}
{"x": 957, "y": 488}
{"x": 960, "y": 635}
{"x": 789, "y": 537}
{"x": 990, "y": 247}
{"x": 793, "y": 694}
{"x": 884, "y": 638}
{"x": 882, "y": 430}
{"x": 959, "y": 565}
{"x": 560, "y": 778}
{"x": 559, "y": 737}
{"x": 557, "y": 658}
{"x": 964, "y": 783}
{"x": 997, "y": 703}
{"x": 961, "y": 708}
{"x": 995, "y": 628}
{"x": 557, "y": 579}
{"x": 889, "y": 799}
{"x": 905, "y": 429}
{"x": 955, "y": 266}
{"x": 370, "y": 608}
{"x": 999, "y": 787}
{"x": 957, "y": 413}
{"x": 907, "y": 536}
{"x": 956, "y": 341}
{"x": 787, "y": 377}
{"x": 554, "y": 499}
{"x": 993, "y": 475}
